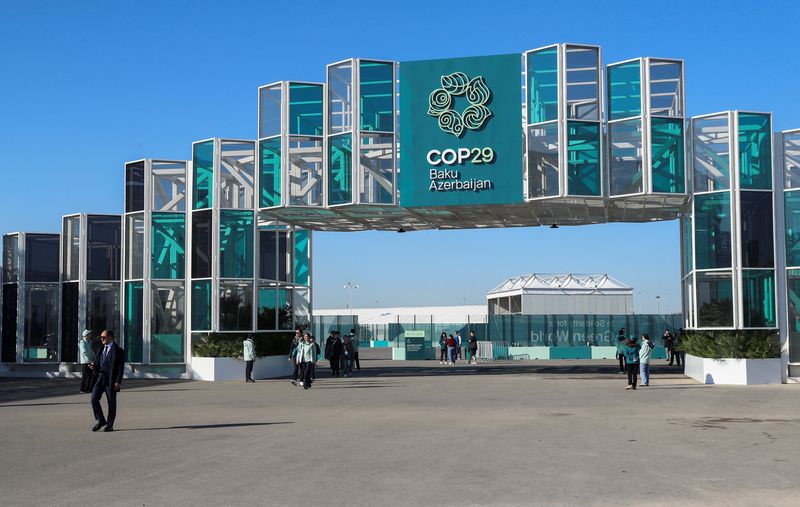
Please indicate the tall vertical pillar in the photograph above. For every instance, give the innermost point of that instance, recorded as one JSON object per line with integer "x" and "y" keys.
{"x": 787, "y": 219}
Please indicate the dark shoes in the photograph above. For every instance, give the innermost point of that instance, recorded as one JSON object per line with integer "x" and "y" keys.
{"x": 99, "y": 425}
{"x": 108, "y": 428}
{"x": 250, "y": 380}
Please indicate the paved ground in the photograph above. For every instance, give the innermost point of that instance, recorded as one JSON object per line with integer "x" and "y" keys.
{"x": 406, "y": 433}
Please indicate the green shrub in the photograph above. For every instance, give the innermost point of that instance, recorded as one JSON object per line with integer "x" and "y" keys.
{"x": 230, "y": 344}
{"x": 731, "y": 344}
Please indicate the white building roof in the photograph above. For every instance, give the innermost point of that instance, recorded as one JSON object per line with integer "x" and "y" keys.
{"x": 439, "y": 314}
{"x": 560, "y": 284}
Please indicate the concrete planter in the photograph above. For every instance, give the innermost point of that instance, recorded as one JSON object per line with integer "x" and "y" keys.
{"x": 733, "y": 371}
{"x": 231, "y": 368}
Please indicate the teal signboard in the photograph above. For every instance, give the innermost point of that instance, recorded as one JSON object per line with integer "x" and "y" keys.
{"x": 461, "y": 131}
{"x": 415, "y": 345}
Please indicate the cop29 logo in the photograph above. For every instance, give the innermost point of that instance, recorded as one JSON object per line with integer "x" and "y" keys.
{"x": 442, "y": 101}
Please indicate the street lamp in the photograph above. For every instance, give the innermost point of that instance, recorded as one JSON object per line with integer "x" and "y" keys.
{"x": 658, "y": 305}
{"x": 350, "y": 286}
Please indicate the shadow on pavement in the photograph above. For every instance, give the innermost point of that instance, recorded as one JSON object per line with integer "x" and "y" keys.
{"x": 23, "y": 389}
{"x": 207, "y": 426}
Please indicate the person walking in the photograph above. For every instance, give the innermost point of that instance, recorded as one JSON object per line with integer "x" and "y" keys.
{"x": 333, "y": 352}
{"x": 347, "y": 355}
{"x": 631, "y": 352}
{"x": 443, "y": 348}
{"x": 458, "y": 345}
{"x": 108, "y": 368}
{"x": 296, "y": 341}
{"x": 307, "y": 357}
{"x": 669, "y": 345}
{"x": 680, "y": 356}
{"x": 451, "y": 350}
{"x": 473, "y": 348}
{"x": 85, "y": 355}
{"x": 354, "y": 341}
{"x": 620, "y": 345}
{"x": 645, "y": 353}
{"x": 249, "y": 358}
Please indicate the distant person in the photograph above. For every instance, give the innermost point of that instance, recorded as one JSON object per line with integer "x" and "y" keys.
{"x": 620, "y": 345}
{"x": 307, "y": 357}
{"x": 451, "y": 350}
{"x": 249, "y": 358}
{"x": 443, "y": 348}
{"x": 108, "y": 368}
{"x": 333, "y": 352}
{"x": 680, "y": 356}
{"x": 316, "y": 357}
{"x": 354, "y": 341}
{"x": 458, "y": 345}
{"x": 645, "y": 353}
{"x": 472, "y": 358}
{"x": 631, "y": 352}
{"x": 85, "y": 356}
{"x": 296, "y": 341}
{"x": 669, "y": 345}
{"x": 347, "y": 355}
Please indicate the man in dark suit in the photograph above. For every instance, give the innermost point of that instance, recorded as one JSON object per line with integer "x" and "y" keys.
{"x": 108, "y": 367}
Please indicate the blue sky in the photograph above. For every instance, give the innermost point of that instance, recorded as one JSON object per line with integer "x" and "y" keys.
{"x": 88, "y": 85}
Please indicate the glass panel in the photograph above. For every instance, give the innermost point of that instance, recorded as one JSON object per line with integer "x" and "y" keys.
{"x": 284, "y": 255}
{"x": 377, "y": 169}
{"x": 10, "y": 258}
{"x": 793, "y": 297}
{"x": 267, "y": 307}
{"x": 758, "y": 297}
{"x": 201, "y": 244}
{"x": 168, "y": 246}
{"x": 688, "y": 302}
{"x": 666, "y": 141}
{"x": 305, "y": 171}
{"x": 166, "y": 337}
{"x": 302, "y": 256}
{"x": 302, "y": 308}
{"x": 624, "y": 90}
{"x": 712, "y": 222}
{"x": 169, "y": 186}
{"x": 543, "y": 161}
{"x": 791, "y": 160}
{"x": 202, "y": 174}
{"x": 305, "y": 109}
{"x": 285, "y": 314}
{"x": 134, "y": 187}
{"x": 41, "y": 322}
{"x": 41, "y": 257}
{"x": 583, "y": 83}
{"x": 376, "y": 96}
{"x": 714, "y": 299}
{"x": 9, "y": 346}
{"x": 583, "y": 158}
{"x": 134, "y": 315}
{"x": 625, "y": 162}
{"x": 70, "y": 334}
{"x": 103, "y": 245}
{"x": 236, "y": 174}
{"x": 340, "y": 97}
{"x": 686, "y": 238}
{"x": 268, "y": 262}
{"x": 543, "y": 85}
{"x": 270, "y": 172}
{"x": 269, "y": 111}
{"x": 201, "y": 305}
{"x": 236, "y": 244}
{"x": 755, "y": 151}
{"x": 756, "y": 222}
{"x": 340, "y": 170}
{"x": 711, "y": 138}
{"x": 134, "y": 246}
{"x": 236, "y": 306}
{"x": 666, "y": 94}
{"x": 102, "y": 308}
{"x": 71, "y": 247}
{"x": 792, "y": 213}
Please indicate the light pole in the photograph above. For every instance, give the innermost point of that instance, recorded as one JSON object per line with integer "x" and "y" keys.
{"x": 658, "y": 305}
{"x": 350, "y": 286}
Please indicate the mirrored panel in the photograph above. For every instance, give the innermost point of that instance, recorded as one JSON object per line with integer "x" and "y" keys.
{"x": 269, "y": 163}
{"x": 340, "y": 97}
{"x": 236, "y": 306}
{"x": 167, "y": 318}
{"x": 666, "y": 88}
{"x": 711, "y": 153}
{"x": 543, "y": 175}
{"x": 237, "y": 174}
{"x": 714, "y": 299}
{"x": 103, "y": 247}
{"x": 542, "y": 86}
{"x": 269, "y": 110}
{"x": 624, "y": 90}
{"x": 71, "y": 247}
{"x": 583, "y": 83}
{"x": 625, "y": 157}
{"x": 305, "y": 109}
{"x": 376, "y": 95}
{"x": 377, "y": 169}
{"x": 305, "y": 171}
{"x": 169, "y": 186}
{"x": 41, "y": 322}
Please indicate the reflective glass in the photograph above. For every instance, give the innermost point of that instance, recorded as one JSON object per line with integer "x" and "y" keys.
{"x": 625, "y": 162}
{"x": 270, "y": 172}
{"x": 305, "y": 109}
{"x": 758, "y": 298}
{"x": 792, "y": 213}
{"x": 686, "y": 237}
{"x": 134, "y": 187}
{"x": 201, "y": 244}
{"x": 169, "y": 186}
{"x": 236, "y": 306}
{"x": 236, "y": 244}
{"x": 305, "y": 171}
{"x": 712, "y": 222}
{"x": 268, "y": 248}
{"x": 201, "y": 305}
{"x": 376, "y": 96}
{"x": 666, "y": 141}
{"x": 41, "y": 322}
{"x": 711, "y": 140}
{"x": 543, "y": 85}
{"x": 714, "y": 299}
{"x": 285, "y": 313}
{"x": 102, "y": 307}
{"x": 301, "y": 307}
{"x": 302, "y": 256}
{"x": 103, "y": 247}
{"x": 41, "y": 257}
{"x": 269, "y": 111}
{"x": 666, "y": 93}
{"x": 583, "y": 83}
{"x": 755, "y": 151}
{"x": 543, "y": 160}
{"x": 377, "y": 169}
{"x": 793, "y": 300}
{"x": 168, "y": 246}
{"x": 134, "y": 246}
{"x": 10, "y": 258}
{"x": 9, "y": 316}
{"x": 70, "y": 334}
{"x": 688, "y": 301}
{"x": 791, "y": 159}
{"x": 236, "y": 174}
{"x": 202, "y": 174}
{"x": 624, "y": 90}
{"x": 166, "y": 335}
{"x": 583, "y": 158}
{"x": 134, "y": 315}
{"x": 284, "y": 255}
{"x": 71, "y": 247}
{"x": 340, "y": 97}
{"x": 756, "y": 229}
{"x": 267, "y": 307}
{"x": 340, "y": 169}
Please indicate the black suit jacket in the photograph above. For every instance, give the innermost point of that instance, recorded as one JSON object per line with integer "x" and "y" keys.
{"x": 116, "y": 361}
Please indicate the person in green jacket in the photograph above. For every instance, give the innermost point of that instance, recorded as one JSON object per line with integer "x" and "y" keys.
{"x": 620, "y": 345}
{"x": 631, "y": 353}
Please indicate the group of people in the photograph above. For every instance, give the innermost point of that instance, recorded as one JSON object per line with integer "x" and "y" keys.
{"x": 671, "y": 341}
{"x": 103, "y": 369}
{"x": 341, "y": 353}
{"x": 634, "y": 357}
{"x": 450, "y": 348}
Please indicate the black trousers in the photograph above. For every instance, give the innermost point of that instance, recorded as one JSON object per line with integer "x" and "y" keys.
{"x": 308, "y": 373}
{"x": 621, "y": 362}
{"x": 248, "y": 370}
{"x": 335, "y": 365}
{"x": 104, "y": 385}
{"x": 443, "y": 354}
{"x": 355, "y": 358}
{"x": 296, "y": 373}
{"x": 86, "y": 379}
{"x": 633, "y": 369}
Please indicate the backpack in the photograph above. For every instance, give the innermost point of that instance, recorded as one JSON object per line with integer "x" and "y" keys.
{"x": 316, "y": 348}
